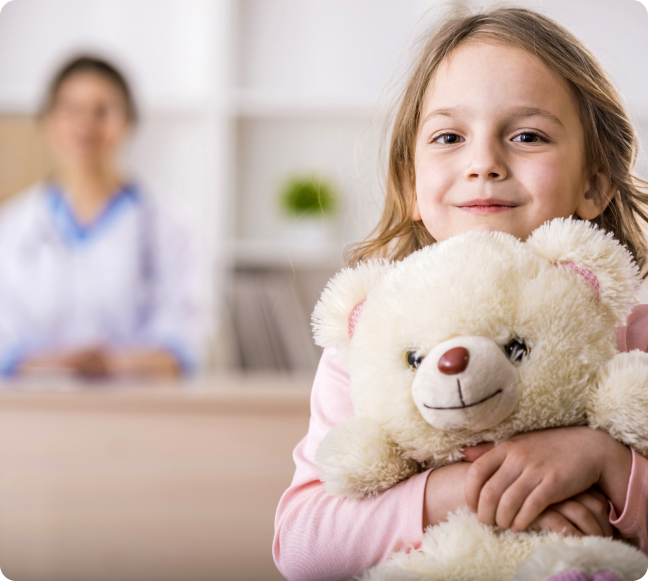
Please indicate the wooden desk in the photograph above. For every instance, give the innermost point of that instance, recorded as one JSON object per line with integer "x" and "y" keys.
{"x": 169, "y": 482}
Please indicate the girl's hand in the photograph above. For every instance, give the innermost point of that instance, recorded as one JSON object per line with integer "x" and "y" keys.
{"x": 511, "y": 485}
{"x": 584, "y": 514}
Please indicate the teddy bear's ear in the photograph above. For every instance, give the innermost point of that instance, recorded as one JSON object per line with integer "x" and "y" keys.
{"x": 340, "y": 305}
{"x": 607, "y": 268}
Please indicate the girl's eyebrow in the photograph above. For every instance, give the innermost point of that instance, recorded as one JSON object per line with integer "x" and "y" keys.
{"x": 516, "y": 113}
{"x": 523, "y": 112}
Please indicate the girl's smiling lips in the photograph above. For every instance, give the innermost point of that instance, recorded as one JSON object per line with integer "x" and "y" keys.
{"x": 487, "y": 206}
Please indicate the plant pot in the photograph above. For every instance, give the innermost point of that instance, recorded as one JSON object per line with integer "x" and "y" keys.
{"x": 309, "y": 233}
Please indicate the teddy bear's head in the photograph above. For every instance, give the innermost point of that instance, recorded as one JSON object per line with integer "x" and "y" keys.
{"x": 481, "y": 336}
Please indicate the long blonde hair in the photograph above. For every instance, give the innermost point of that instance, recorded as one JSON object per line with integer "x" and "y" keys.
{"x": 610, "y": 139}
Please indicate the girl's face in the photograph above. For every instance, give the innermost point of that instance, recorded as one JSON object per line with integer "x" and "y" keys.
{"x": 88, "y": 121}
{"x": 501, "y": 146}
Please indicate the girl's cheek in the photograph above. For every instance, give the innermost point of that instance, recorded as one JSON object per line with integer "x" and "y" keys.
{"x": 433, "y": 180}
{"x": 551, "y": 185}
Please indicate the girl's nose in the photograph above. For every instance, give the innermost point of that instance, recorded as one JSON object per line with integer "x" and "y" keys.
{"x": 454, "y": 361}
{"x": 486, "y": 163}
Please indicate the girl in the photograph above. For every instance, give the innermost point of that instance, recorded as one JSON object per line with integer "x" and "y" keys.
{"x": 95, "y": 279}
{"x": 507, "y": 122}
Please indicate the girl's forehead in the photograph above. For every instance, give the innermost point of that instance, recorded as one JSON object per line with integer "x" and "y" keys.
{"x": 498, "y": 76}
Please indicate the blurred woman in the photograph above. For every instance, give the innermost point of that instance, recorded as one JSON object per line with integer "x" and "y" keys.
{"x": 95, "y": 278}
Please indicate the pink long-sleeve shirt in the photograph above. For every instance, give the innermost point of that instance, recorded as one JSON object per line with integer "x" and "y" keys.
{"x": 319, "y": 536}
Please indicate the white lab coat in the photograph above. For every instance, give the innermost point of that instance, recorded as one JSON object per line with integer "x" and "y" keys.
{"x": 132, "y": 278}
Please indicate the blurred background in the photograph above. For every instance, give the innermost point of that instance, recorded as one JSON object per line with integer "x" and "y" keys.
{"x": 248, "y": 109}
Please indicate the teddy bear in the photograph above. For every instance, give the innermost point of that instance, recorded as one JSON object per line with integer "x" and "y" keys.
{"x": 476, "y": 339}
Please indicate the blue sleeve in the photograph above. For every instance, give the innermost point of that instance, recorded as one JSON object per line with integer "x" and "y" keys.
{"x": 179, "y": 317}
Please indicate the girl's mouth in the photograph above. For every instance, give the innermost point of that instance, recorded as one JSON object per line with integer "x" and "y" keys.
{"x": 487, "y": 206}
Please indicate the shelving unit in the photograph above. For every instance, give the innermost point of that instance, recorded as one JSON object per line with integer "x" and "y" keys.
{"x": 307, "y": 98}
{"x": 296, "y": 107}
{"x": 251, "y": 92}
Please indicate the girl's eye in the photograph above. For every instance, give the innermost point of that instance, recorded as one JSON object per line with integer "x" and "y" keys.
{"x": 527, "y": 137}
{"x": 449, "y": 139}
{"x": 516, "y": 350}
{"x": 414, "y": 360}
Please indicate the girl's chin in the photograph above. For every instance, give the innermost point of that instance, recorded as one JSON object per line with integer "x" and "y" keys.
{"x": 509, "y": 226}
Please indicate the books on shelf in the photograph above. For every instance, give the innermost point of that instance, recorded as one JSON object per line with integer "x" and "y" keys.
{"x": 271, "y": 326}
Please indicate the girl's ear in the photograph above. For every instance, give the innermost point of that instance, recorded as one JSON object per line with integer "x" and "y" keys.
{"x": 600, "y": 191}
{"x": 606, "y": 267}
{"x": 416, "y": 213}
{"x": 339, "y": 308}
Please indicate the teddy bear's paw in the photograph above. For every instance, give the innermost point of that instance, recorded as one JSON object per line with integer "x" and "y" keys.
{"x": 588, "y": 556}
{"x": 357, "y": 458}
{"x": 620, "y": 403}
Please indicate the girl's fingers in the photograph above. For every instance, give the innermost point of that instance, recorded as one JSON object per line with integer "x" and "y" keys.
{"x": 496, "y": 488}
{"x": 474, "y": 453}
{"x": 580, "y": 516}
{"x": 538, "y": 500}
{"x": 597, "y": 504}
{"x": 479, "y": 473}
{"x": 550, "y": 520}
{"x": 513, "y": 498}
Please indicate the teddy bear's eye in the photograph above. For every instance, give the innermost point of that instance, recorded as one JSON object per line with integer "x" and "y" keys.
{"x": 414, "y": 360}
{"x": 517, "y": 350}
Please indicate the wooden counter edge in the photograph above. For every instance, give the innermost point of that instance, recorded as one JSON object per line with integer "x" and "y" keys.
{"x": 215, "y": 397}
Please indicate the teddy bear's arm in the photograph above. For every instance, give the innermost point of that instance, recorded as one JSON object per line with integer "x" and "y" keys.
{"x": 357, "y": 459}
{"x": 619, "y": 405}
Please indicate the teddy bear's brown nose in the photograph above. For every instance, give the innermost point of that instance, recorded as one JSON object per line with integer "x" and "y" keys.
{"x": 454, "y": 361}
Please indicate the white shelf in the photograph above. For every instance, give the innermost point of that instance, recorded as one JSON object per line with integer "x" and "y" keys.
{"x": 273, "y": 253}
{"x": 16, "y": 105}
{"x": 248, "y": 104}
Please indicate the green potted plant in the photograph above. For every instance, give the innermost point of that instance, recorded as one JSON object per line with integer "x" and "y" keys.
{"x": 310, "y": 203}
{"x": 308, "y": 196}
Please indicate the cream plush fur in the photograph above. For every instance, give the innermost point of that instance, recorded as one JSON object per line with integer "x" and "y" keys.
{"x": 560, "y": 295}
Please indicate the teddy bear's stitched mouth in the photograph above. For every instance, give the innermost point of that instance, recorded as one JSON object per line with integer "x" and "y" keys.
{"x": 464, "y": 405}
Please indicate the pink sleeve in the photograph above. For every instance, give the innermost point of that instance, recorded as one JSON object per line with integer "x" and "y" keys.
{"x": 318, "y": 536}
{"x": 632, "y": 524}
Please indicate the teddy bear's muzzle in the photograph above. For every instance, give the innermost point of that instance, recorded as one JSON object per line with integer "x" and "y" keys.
{"x": 466, "y": 383}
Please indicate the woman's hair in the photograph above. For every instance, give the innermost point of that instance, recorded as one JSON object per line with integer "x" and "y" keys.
{"x": 610, "y": 140}
{"x": 88, "y": 64}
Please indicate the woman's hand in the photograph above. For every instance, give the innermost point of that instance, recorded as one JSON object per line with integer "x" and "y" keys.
{"x": 151, "y": 363}
{"x": 87, "y": 363}
{"x": 514, "y": 483}
{"x": 91, "y": 363}
{"x": 102, "y": 363}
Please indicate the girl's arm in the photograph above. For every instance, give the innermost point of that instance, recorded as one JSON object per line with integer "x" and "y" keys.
{"x": 318, "y": 536}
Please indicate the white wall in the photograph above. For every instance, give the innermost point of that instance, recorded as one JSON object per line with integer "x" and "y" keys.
{"x": 167, "y": 47}
{"x": 349, "y": 48}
